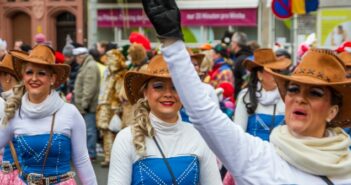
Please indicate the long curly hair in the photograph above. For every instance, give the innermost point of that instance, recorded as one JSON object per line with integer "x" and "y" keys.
{"x": 252, "y": 104}
{"x": 14, "y": 103}
{"x": 141, "y": 127}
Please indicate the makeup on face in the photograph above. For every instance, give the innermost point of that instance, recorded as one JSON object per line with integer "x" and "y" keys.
{"x": 313, "y": 92}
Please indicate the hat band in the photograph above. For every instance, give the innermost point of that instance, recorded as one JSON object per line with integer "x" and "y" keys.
{"x": 162, "y": 71}
{"x": 313, "y": 73}
{"x": 39, "y": 57}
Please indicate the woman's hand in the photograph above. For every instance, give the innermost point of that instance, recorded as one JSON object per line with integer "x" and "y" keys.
{"x": 165, "y": 17}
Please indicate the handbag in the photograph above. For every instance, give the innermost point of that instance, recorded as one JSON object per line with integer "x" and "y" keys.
{"x": 115, "y": 124}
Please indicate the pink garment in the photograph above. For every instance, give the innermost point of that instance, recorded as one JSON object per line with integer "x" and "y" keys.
{"x": 228, "y": 179}
{"x": 13, "y": 179}
{"x": 10, "y": 178}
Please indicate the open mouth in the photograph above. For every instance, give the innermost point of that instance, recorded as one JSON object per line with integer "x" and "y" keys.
{"x": 299, "y": 113}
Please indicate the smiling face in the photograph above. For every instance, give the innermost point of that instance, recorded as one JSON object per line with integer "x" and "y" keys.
{"x": 163, "y": 99}
{"x": 308, "y": 108}
{"x": 38, "y": 80}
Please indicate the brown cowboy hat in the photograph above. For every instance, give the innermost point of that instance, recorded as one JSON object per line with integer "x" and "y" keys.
{"x": 134, "y": 80}
{"x": 346, "y": 58}
{"x": 265, "y": 57}
{"x": 321, "y": 67}
{"x": 42, "y": 55}
{"x": 6, "y": 65}
{"x": 198, "y": 57}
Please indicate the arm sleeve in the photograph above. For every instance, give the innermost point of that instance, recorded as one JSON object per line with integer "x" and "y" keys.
{"x": 241, "y": 116}
{"x": 91, "y": 78}
{"x": 6, "y": 132}
{"x": 227, "y": 140}
{"x": 121, "y": 160}
{"x": 79, "y": 149}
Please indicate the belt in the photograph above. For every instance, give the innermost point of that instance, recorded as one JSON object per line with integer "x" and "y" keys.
{"x": 7, "y": 167}
{"x": 39, "y": 179}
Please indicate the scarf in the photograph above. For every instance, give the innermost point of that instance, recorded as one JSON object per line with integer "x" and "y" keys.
{"x": 268, "y": 97}
{"x": 7, "y": 94}
{"x": 46, "y": 108}
{"x": 329, "y": 156}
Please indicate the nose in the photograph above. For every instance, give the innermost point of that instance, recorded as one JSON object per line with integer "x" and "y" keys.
{"x": 301, "y": 97}
{"x": 168, "y": 92}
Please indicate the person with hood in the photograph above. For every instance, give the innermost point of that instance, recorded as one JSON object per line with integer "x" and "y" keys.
{"x": 311, "y": 148}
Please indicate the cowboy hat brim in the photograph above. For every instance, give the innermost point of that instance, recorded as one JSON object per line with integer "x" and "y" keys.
{"x": 343, "y": 118}
{"x": 134, "y": 80}
{"x": 61, "y": 70}
{"x": 276, "y": 65}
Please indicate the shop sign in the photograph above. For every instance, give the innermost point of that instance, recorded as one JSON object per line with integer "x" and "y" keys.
{"x": 202, "y": 17}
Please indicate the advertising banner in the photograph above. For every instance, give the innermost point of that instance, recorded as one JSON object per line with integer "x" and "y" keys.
{"x": 334, "y": 27}
{"x": 199, "y": 17}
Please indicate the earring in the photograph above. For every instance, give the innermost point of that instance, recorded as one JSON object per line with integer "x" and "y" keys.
{"x": 52, "y": 83}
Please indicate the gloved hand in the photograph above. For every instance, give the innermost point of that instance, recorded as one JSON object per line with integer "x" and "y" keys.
{"x": 165, "y": 17}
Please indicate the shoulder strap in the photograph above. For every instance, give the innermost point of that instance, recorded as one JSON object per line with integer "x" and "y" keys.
{"x": 174, "y": 180}
{"x": 327, "y": 180}
{"x": 14, "y": 156}
{"x": 49, "y": 143}
{"x": 273, "y": 118}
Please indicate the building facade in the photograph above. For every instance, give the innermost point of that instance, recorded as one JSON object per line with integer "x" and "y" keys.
{"x": 23, "y": 19}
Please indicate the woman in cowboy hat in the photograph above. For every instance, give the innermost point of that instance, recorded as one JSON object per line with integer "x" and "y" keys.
{"x": 158, "y": 148}
{"x": 260, "y": 108}
{"x": 311, "y": 148}
{"x": 49, "y": 132}
{"x": 8, "y": 80}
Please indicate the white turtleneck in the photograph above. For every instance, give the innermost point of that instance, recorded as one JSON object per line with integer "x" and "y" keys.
{"x": 175, "y": 140}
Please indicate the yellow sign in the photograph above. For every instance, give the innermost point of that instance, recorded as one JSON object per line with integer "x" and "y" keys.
{"x": 334, "y": 27}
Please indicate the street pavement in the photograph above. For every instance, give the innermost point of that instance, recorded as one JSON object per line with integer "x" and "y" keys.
{"x": 101, "y": 173}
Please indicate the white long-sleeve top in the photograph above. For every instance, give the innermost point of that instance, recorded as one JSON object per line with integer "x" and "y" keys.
{"x": 251, "y": 160}
{"x": 69, "y": 122}
{"x": 176, "y": 140}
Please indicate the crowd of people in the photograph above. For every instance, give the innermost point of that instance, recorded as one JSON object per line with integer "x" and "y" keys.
{"x": 225, "y": 113}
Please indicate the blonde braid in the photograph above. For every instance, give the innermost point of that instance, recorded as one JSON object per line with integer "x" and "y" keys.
{"x": 13, "y": 103}
{"x": 142, "y": 126}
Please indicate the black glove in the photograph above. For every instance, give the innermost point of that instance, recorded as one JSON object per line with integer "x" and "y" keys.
{"x": 165, "y": 17}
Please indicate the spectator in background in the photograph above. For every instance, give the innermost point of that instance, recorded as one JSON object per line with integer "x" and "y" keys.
{"x": 339, "y": 36}
{"x": 18, "y": 44}
{"x": 241, "y": 52}
{"x": 253, "y": 45}
{"x": 86, "y": 92}
{"x": 3, "y": 48}
{"x": 69, "y": 59}
{"x": 40, "y": 39}
{"x": 221, "y": 71}
{"x": 283, "y": 54}
{"x": 227, "y": 37}
{"x": 25, "y": 47}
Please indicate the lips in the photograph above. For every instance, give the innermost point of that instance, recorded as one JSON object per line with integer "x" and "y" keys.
{"x": 34, "y": 85}
{"x": 299, "y": 114}
{"x": 167, "y": 103}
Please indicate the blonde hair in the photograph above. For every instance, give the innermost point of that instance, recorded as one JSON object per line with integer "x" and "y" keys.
{"x": 141, "y": 127}
{"x": 13, "y": 104}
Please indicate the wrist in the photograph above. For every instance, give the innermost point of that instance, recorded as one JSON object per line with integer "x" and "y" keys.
{"x": 168, "y": 41}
